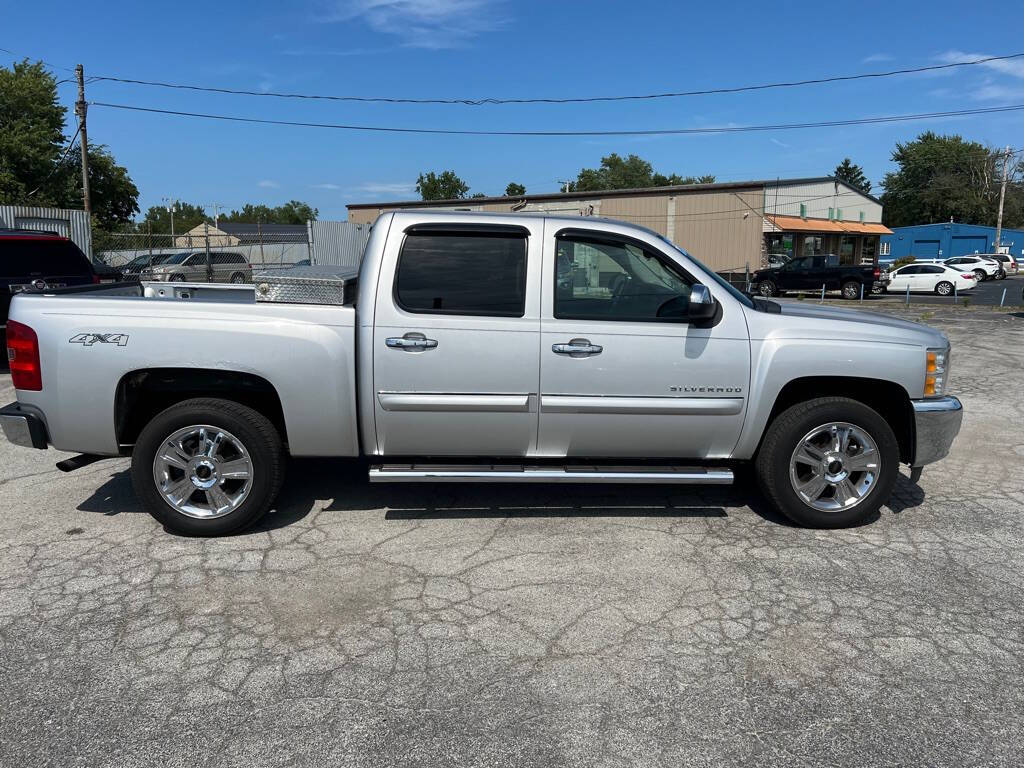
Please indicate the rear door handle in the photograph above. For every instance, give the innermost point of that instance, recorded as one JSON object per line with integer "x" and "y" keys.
{"x": 577, "y": 348}
{"x": 413, "y": 342}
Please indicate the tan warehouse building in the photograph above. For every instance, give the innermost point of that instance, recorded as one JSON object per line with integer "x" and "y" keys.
{"x": 728, "y": 226}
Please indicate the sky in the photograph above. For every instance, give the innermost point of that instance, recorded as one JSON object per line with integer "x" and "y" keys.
{"x": 498, "y": 48}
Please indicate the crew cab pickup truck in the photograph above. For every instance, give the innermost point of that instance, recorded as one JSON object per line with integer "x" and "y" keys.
{"x": 485, "y": 348}
{"x": 810, "y": 273}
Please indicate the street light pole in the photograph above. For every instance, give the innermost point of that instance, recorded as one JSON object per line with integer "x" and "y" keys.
{"x": 171, "y": 205}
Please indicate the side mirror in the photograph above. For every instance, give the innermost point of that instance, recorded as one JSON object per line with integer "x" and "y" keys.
{"x": 702, "y": 304}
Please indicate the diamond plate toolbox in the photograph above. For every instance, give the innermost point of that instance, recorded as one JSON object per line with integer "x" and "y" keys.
{"x": 307, "y": 285}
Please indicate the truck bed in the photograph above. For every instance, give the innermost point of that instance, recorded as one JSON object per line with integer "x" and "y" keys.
{"x": 92, "y": 337}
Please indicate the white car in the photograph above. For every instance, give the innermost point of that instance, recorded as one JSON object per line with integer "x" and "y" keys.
{"x": 1010, "y": 265}
{"x": 931, "y": 278}
{"x": 983, "y": 267}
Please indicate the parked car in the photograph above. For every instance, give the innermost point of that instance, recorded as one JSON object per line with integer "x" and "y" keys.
{"x": 809, "y": 273}
{"x": 983, "y": 267}
{"x": 192, "y": 267}
{"x": 134, "y": 268}
{"x": 31, "y": 260}
{"x": 459, "y": 353}
{"x": 931, "y": 278}
{"x": 1009, "y": 263}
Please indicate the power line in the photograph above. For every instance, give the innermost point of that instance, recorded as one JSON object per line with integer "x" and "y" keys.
{"x": 649, "y": 132}
{"x": 564, "y": 100}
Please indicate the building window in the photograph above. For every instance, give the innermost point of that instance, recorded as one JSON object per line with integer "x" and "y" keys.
{"x": 780, "y": 244}
{"x": 812, "y": 245}
{"x": 848, "y": 249}
{"x": 883, "y": 248}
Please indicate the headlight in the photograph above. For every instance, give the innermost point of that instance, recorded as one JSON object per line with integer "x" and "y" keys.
{"x": 936, "y": 371}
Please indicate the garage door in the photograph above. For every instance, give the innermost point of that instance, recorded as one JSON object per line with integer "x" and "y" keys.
{"x": 965, "y": 245}
{"x": 925, "y": 249}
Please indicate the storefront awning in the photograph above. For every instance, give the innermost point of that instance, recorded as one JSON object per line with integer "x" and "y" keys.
{"x": 797, "y": 224}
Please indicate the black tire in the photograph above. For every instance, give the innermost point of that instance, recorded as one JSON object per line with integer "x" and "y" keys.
{"x": 945, "y": 288}
{"x": 1000, "y": 275}
{"x": 788, "y": 429}
{"x": 980, "y": 275}
{"x": 767, "y": 288}
{"x": 850, "y": 290}
{"x": 238, "y": 277}
{"x": 259, "y": 437}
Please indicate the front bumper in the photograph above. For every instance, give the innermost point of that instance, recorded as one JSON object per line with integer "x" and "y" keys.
{"x": 23, "y": 427}
{"x": 936, "y": 424}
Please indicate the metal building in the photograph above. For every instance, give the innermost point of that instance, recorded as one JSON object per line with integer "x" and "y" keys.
{"x": 68, "y": 222}
{"x": 949, "y": 239}
{"x": 728, "y": 226}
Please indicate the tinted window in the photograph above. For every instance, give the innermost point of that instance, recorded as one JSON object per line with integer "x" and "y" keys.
{"x": 22, "y": 257}
{"x": 603, "y": 280}
{"x": 908, "y": 271}
{"x": 803, "y": 263}
{"x": 462, "y": 274}
{"x": 228, "y": 258}
{"x": 931, "y": 270}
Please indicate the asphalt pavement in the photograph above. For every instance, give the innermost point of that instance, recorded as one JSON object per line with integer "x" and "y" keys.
{"x": 527, "y": 626}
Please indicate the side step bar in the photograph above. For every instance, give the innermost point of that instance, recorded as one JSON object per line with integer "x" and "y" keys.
{"x": 519, "y": 473}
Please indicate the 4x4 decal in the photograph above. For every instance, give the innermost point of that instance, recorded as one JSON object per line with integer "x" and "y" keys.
{"x": 88, "y": 339}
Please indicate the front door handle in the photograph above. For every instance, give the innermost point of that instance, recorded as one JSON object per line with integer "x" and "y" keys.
{"x": 413, "y": 342}
{"x": 577, "y": 348}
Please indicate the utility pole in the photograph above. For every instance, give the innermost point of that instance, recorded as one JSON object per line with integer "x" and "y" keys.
{"x": 172, "y": 203}
{"x": 80, "y": 109}
{"x": 1002, "y": 197}
{"x": 216, "y": 212}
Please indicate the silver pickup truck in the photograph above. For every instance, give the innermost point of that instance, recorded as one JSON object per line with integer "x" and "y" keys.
{"x": 480, "y": 348}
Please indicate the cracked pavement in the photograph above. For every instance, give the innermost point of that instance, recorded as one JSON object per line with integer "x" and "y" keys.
{"x": 527, "y": 626}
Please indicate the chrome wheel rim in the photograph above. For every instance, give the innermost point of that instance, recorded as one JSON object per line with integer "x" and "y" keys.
{"x": 203, "y": 471}
{"x": 834, "y": 467}
{"x": 850, "y": 291}
{"x": 945, "y": 289}
{"x": 765, "y": 289}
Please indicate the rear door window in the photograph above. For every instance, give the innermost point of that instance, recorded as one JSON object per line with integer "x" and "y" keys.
{"x": 22, "y": 257}
{"x": 460, "y": 273}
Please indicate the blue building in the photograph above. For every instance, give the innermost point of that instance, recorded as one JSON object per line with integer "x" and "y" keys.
{"x": 946, "y": 240}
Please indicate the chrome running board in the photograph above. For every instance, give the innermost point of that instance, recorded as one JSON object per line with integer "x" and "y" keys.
{"x": 519, "y": 473}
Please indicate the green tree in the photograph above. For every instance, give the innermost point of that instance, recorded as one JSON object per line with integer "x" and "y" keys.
{"x": 853, "y": 175}
{"x": 36, "y": 168}
{"x": 292, "y": 212}
{"x": 443, "y": 186}
{"x": 31, "y": 136}
{"x": 632, "y": 172}
{"x": 946, "y": 177}
{"x": 186, "y": 216}
{"x": 113, "y": 194}
{"x": 514, "y": 190}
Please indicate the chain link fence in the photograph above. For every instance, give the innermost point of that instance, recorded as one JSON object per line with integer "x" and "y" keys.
{"x": 207, "y": 255}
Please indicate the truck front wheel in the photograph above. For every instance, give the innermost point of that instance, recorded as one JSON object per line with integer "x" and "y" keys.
{"x": 830, "y": 462}
{"x": 207, "y": 467}
{"x": 767, "y": 288}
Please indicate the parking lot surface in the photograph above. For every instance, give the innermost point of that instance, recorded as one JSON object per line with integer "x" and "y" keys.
{"x": 490, "y": 626}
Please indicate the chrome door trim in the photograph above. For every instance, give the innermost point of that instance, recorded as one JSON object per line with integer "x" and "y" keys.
{"x": 455, "y": 402}
{"x": 676, "y": 406}
{"x": 577, "y": 348}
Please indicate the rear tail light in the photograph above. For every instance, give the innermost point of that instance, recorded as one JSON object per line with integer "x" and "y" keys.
{"x": 23, "y": 356}
{"x": 95, "y": 279}
{"x": 969, "y": 276}
{"x": 878, "y": 273}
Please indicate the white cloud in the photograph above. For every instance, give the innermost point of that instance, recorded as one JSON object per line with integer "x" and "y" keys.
{"x": 268, "y": 184}
{"x": 432, "y": 24}
{"x": 1012, "y": 67}
{"x": 384, "y": 188}
{"x": 326, "y": 186}
{"x": 875, "y": 58}
{"x": 780, "y": 143}
{"x": 995, "y": 92}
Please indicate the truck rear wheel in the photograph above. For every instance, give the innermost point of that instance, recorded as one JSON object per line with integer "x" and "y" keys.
{"x": 206, "y": 466}
{"x": 851, "y": 289}
{"x": 830, "y": 462}
{"x": 767, "y": 288}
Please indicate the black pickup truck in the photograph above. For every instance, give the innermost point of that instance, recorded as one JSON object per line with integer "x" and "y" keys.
{"x": 809, "y": 273}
